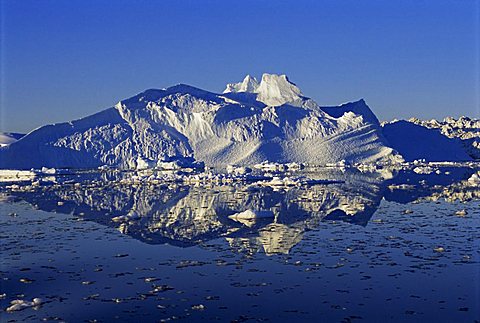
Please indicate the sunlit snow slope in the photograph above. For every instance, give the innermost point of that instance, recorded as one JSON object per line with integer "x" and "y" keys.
{"x": 249, "y": 123}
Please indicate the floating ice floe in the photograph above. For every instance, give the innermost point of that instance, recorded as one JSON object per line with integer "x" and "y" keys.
{"x": 46, "y": 170}
{"x": 199, "y": 307}
{"x": 20, "y": 304}
{"x": 461, "y": 213}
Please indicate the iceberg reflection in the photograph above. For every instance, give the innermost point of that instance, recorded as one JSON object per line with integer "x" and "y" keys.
{"x": 250, "y": 217}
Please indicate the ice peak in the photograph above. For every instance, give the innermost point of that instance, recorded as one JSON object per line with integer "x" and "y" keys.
{"x": 249, "y": 84}
{"x": 276, "y": 90}
{"x": 273, "y": 90}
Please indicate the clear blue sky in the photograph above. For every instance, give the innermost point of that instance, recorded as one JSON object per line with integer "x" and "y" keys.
{"x": 62, "y": 60}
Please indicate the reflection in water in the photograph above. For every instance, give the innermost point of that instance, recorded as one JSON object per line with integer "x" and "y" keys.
{"x": 275, "y": 221}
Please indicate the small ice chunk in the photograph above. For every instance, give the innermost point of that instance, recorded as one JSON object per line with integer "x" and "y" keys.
{"x": 461, "y": 213}
{"x": 47, "y": 170}
{"x": 20, "y": 304}
{"x": 199, "y": 307}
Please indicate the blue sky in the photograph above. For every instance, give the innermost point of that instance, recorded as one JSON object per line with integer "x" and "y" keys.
{"x": 62, "y": 60}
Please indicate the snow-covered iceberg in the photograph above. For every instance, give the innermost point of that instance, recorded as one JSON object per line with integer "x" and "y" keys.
{"x": 249, "y": 123}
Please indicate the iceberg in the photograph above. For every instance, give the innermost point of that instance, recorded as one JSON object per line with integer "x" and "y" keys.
{"x": 250, "y": 123}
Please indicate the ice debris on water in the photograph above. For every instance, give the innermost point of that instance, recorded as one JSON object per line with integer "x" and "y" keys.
{"x": 20, "y": 304}
{"x": 199, "y": 307}
{"x": 47, "y": 170}
{"x": 461, "y": 213}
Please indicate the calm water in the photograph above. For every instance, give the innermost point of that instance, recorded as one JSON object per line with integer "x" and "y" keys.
{"x": 366, "y": 249}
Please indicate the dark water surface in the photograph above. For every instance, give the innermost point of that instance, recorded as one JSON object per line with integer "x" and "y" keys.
{"x": 362, "y": 250}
